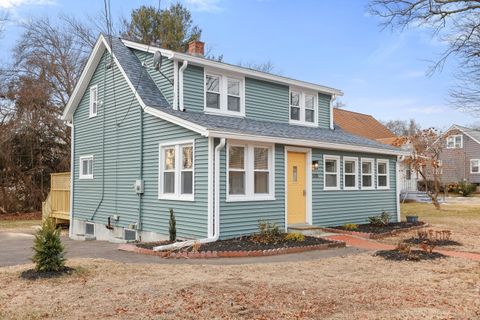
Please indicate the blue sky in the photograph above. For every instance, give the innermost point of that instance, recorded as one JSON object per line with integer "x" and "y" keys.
{"x": 334, "y": 43}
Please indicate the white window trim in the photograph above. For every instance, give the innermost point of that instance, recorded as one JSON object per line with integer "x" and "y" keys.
{"x": 302, "y": 121}
{"x": 453, "y": 137}
{"x": 223, "y": 88}
{"x": 471, "y": 166}
{"x": 387, "y": 174}
{"x": 250, "y": 173}
{"x": 350, "y": 174}
{"x": 80, "y": 171}
{"x": 330, "y": 157}
{"x": 91, "y": 113}
{"x": 177, "y": 195}
{"x": 372, "y": 174}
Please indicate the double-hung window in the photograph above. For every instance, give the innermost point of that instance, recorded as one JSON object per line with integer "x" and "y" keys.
{"x": 455, "y": 141}
{"x": 331, "y": 165}
{"x": 93, "y": 101}
{"x": 382, "y": 174}
{"x": 86, "y": 167}
{"x": 350, "y": 173}
{"x": 224, "y": 94}
{"x": 475, "y": 166}
{"x": 176, "y": 171}
{"x": 250, "y": 172}
{"x": 367, "y": 174}
{"x": 303, "y": 107}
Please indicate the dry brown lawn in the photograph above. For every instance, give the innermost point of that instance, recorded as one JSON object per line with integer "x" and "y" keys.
{"x": 463, "y": 219}
{"x": 353, "y": 287}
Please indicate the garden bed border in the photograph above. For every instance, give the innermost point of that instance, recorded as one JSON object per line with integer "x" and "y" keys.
{"x": 374, "y": 235}
{"x": 231, "y": 254}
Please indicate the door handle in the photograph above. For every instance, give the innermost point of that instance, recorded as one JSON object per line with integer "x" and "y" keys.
{"x": 304, "y": 192}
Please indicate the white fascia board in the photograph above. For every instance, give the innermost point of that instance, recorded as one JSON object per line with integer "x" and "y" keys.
{"x": 235, "y": 69}
{"x": 85, "y": 77}
{"x": 304, "y": 143}
{"x": 463, "y": 131}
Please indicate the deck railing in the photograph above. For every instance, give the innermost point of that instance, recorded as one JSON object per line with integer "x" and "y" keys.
{"x": 57, "y": 204}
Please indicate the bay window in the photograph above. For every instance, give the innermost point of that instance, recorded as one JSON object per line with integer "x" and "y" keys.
{"x": 367, "y": 174}
{"x": 303, "y": 107}
{"x": 331, "y": 177}
{"x": 176, "y": 171}
{"x": 224, "y": 94}
{"x": 250, "y": 172}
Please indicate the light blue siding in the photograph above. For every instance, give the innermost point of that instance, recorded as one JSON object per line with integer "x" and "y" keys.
{"x": 333, "y": 208}
{"x": 119, "y": 147}
{"x": 324, "y": 110}
{"x": 193, "y": 88}
{"x": 266, "y": 101}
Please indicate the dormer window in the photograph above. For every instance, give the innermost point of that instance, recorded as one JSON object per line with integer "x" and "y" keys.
{"x": 224, "y": 94}
{"x": 303, "y": 107}
{"x": 455, "y": 142}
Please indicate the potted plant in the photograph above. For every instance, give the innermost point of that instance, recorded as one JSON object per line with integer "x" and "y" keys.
{"x": 412, "y": 219}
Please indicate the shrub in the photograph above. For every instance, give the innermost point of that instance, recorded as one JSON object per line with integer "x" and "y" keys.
{"x": 464, "y": 188}
{"x": 269, "y": 233}
{"x": 172, "y": 227}
{"x": 381, "y": 220}
{"x": 350, "y": 226}
{"x": 49, "y": 253}
{"x": 295, "y": 236}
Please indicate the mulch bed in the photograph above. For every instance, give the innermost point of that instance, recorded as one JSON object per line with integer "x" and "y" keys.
{"x": 31, "y": 274}
{"x": 438, "y": 243}
{"x": 21, "y": 216}
{"x": 415, "y": 255}
{"x": 376, "y": 232}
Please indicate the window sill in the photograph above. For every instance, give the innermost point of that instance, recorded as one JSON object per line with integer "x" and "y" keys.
{"x": 85, "y": 178}
{"x": 301, "y": 123}
{"x": 248, "y": 198}
{"x": 217, "y": 112}
{"x": 331, "y": 189}
{"x": 367, "y": 188}
{"x": 176, "y": 198}
{"x": 383, "y": 188}
{"x": 350, "y": 188}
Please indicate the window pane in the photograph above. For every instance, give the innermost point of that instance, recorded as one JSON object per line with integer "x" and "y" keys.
{"x": 309, "y": 115}
{"x": 408, "y": 174}
{"x": 350, "y": 181}
{"x": 294, "y": 113}
{"x": 331, "y": 180}
{"x": 236, "y": 182}
{"x": 295, "y": 174}
{"x": 236, "y": 157}
{"x": 233, "y": 104}
{"x": 187, "y": 184}
{"x": 213, "y": 100}
{"x": 170, "y": 159}
{"x": 90, "y": 166}
{"x": 366, "y": 181}
{"x": 475, "y": 166}
{"x": 233, "y": 87}
{"x": 294, "y": 98}
{"x": 382, "y": 181}
{"x": 330, "y": 165}
{"x": 187, "y": 157}
{"x": 261, "y": 182}
{"x": 382, "y": 168}
{"x": 349, "y": 167}
{"x": 309, "y": 101}
{"x": 168, "y": 182}
{"x": 261, "y": 158}
{"x": 212, "y": 83}
{"x": 84, "y": 167}
{"x": 367, "y": 167}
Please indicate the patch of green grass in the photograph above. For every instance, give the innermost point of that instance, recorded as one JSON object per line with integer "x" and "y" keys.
{"x": 17, "y": 224}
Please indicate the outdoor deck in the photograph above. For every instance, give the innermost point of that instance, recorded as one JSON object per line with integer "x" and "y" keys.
{"x": 57, "y": 204}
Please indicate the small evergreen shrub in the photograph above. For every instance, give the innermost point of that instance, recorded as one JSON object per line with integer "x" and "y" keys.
{"x": 464, "y": 188}
{"x": 49, "y": 253}
{"x": 172, "y": 227}
{"x": 350, "y": 227}
{"x": 269, "y": 233}
{"x": 295, "y": 236}
{"x": 381, "y": 220}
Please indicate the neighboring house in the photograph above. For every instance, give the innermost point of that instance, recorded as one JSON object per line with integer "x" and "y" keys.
{"x": 221, "y": 145}
{"x": 367, "y": 126}
{"x": 460, "y": 156}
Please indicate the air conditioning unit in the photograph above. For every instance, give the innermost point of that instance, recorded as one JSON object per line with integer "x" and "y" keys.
{"x": 89, "y": 229}
{"x": 130, "y": 235}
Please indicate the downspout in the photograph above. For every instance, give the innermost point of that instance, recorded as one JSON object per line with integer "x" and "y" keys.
{"x": 175, "y": 84}
{"x": 216, "y": 187}
{"x": 72, "y": 174}
{"x": 140, "y": 174}
{"x": 397, "y": 182}
{"x": 180, "y": 83}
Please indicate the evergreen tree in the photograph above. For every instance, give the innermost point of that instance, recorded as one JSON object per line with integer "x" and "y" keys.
{"x": 49, "y": 251}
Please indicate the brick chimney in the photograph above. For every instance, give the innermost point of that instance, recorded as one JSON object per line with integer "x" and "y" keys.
{"x": 196, "y": 48}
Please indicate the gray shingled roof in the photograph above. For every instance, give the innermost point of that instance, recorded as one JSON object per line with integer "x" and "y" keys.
{"x": 472, "y": 132}
{"x": 152, "y": 97}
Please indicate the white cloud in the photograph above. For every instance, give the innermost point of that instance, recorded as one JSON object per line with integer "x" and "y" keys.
{"x": 11, "y": 4}
{"x": 203, "y": 5}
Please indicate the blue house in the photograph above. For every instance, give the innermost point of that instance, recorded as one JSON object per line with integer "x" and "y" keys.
{"x": 221, "y": 145}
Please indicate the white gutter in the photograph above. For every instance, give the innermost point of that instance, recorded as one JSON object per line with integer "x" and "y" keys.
{"x": 180, "y": 83}
{"x": 397, "y": 191}
{"x": 72, "y": 176}
{"x": 216, "y": 228}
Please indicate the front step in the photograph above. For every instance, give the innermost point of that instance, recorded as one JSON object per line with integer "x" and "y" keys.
{"x": 308, "y": 230}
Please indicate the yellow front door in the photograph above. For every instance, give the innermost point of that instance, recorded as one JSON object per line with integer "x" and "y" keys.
{"x": 296, "y": 211}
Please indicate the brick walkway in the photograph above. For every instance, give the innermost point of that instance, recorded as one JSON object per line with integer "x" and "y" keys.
{"x": 373, "y": 245}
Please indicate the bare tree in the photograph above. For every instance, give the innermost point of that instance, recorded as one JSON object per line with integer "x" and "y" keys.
{"x": 3, "y": 20}
{"x": 455, "y": 22}
{"x": 402, "y": 127}
{"x": 266, "y": 66}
